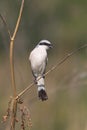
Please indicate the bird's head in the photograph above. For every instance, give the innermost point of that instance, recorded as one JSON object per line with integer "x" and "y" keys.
{"x": 46, "y": 44}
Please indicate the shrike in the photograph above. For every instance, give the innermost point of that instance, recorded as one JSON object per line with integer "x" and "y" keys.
{"x": 38, "y": 59}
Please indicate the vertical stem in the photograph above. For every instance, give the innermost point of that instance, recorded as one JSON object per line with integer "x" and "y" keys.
{"x": 12, "y": 66}
{"x": 12, "y": 49}
{"x": 14, "y": 105}
{"x": 14, "y": 111}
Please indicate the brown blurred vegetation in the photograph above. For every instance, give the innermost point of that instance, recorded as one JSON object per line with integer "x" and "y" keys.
{"x": 64, "y": 23}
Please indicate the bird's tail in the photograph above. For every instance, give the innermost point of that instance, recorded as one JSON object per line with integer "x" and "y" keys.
{"x": 41, "y": 90}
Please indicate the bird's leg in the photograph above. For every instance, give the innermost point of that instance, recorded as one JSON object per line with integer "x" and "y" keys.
{"x": 35, "y": 80}
{"x": 35, "y": 77}
{"x": 43, "y": 76}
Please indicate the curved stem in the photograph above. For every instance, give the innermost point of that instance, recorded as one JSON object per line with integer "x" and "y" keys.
{"x": 18, "y": 21}
{"x": 12, "y": 50}
{"x": 14, "y": 107}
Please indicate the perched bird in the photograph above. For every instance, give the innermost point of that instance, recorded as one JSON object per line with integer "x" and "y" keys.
{"x": 38, "y": 59}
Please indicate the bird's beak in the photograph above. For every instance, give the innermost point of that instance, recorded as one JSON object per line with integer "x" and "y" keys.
{"x": 51, "y": 46}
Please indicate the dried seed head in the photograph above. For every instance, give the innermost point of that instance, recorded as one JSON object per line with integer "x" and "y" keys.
{"x": 25, "y": 118}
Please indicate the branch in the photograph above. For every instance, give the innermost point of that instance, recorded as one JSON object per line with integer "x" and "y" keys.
{"x": 14, "y": 107}
{"x": 52, "y": 68}
{"x": 12, "y": 49}
{"x": 18, "y": 21}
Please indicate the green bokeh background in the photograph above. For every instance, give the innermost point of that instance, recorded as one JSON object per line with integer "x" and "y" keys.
{"x": 64, "y": 23}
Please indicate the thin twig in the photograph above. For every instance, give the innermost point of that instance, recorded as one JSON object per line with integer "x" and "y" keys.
{"x": 53, "y": 68}
{"x": 5, "y": 23}
{"x": 65, "y": 58}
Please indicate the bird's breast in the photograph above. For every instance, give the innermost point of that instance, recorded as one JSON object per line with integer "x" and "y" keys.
{"x": 38, "y": 58}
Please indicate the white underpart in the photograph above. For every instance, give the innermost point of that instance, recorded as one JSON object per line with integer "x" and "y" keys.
{"x": 40, "y": 81}
{"x": 41, "y": 88}
{"x": 40, "y": 84}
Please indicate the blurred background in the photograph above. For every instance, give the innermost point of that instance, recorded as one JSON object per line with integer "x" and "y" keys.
{"x": 64, "y": 23}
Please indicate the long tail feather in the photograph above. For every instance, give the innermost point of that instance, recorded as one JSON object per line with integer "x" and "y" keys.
{"x": 41, "y": 90}
{"x": 42, "y": 95}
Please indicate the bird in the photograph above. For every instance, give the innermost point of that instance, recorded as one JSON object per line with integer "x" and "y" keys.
{"x": 38, "y": 59}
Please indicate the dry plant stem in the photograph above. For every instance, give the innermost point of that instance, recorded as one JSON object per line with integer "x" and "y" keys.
{"x": 14, "y": 108}
{"x": 12, "y": 66}
{"x": 65, "y": 58}
{"x": 14, "y": 111}
{"x": 18, "y": 21}
{"x": 52, "y": 68}
{"x": 12, "y": 49}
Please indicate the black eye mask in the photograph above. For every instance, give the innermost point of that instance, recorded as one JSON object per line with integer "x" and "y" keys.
{"x": 46, "y": 44}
